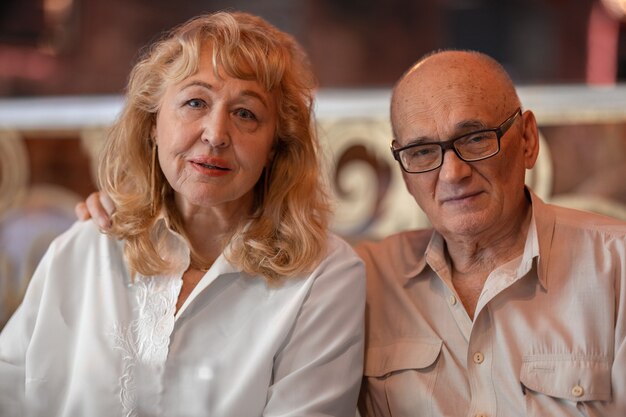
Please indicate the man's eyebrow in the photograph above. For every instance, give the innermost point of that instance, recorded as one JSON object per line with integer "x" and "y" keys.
{"x": 464, "y": 126}
{"x": 412, "y": 141}
{"x": 473, "y": 124}
{"x": 420, "y": 139}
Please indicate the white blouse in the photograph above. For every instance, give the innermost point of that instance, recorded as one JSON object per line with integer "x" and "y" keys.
{"x": 89, "y": 341}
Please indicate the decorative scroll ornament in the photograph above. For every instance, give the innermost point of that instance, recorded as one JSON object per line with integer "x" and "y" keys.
{"x": 371, "y": 199}
{"x": 92, "y": 141}
{"x": 14, "y": 170}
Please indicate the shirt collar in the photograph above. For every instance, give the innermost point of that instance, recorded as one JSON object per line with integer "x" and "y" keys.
{"x": 538, "y": 242}
{"x": 531, "y": 250}
{"x": 173, "y": 247}
{"x": 544, "y": 220}
{"x": 170, "y": 245}
{"x": 416, "y": 256}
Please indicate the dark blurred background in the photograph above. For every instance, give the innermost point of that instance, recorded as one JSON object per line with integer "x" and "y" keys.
{"x": 60, "y": 47}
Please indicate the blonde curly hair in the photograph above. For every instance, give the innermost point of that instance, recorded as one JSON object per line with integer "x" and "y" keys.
{"x": 285, "y": 234}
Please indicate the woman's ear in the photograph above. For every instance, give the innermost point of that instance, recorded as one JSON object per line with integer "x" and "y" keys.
{"x": 272, "y": 153}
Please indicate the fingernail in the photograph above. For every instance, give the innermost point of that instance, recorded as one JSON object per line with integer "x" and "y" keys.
{"x": 104, "y": 224}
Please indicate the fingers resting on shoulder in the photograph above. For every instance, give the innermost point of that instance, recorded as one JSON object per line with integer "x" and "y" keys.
{"x": 98, "y": 207}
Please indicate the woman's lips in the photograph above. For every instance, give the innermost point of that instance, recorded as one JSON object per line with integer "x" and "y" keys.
{"x": 211, "y": 166}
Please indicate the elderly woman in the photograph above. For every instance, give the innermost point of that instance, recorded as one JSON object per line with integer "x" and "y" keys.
{"x": 218, "y": 290}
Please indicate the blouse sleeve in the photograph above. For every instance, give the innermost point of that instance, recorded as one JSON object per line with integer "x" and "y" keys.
{"x": 319, "y": 370}
{"x": 14, "y": 341}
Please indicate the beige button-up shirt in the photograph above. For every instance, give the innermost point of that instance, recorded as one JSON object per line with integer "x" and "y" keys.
{"x": 548, "y": 337}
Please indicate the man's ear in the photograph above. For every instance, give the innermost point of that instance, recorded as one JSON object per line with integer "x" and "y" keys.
{"x": 530, "y": 139}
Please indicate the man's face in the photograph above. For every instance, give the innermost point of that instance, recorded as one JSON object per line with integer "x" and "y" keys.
{"x": 462, "y": 198}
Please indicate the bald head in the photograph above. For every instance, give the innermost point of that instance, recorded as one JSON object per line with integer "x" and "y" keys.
{"x": 446, "y": 79}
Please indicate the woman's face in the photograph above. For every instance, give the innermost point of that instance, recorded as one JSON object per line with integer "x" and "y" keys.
{"x": 214, "y": 137}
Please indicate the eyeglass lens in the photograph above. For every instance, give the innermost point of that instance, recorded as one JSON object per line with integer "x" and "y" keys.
{"x": 472, "y": 147}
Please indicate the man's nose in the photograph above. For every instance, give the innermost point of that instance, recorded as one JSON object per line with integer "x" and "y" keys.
{"x": 453, "y": 168}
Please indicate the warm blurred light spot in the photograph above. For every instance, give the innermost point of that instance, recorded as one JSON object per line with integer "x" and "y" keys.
{"x": 617, "y": 8}
{"x": 57, "y": 6}
{"x": 603, "y": 42}
{"x": 26, "y": 63}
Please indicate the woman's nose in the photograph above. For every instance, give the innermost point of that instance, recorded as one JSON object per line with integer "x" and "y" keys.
{"x": 216, "y": 129}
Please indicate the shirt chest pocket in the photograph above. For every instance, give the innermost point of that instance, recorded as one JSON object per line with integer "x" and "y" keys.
{"x": 401, "y": 376}
{"x": 559, "y": 385}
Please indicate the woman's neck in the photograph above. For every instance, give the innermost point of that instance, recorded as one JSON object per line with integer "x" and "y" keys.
{"x": 209, "y": 229}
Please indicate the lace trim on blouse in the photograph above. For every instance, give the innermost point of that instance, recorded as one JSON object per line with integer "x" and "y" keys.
{"x": 144, "y": 341}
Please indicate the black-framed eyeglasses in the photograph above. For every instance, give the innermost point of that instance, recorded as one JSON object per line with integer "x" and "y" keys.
{"x": 469, "y": 147}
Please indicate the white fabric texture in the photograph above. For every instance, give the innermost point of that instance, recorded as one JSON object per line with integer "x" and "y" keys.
{"x": 89, "y": 341}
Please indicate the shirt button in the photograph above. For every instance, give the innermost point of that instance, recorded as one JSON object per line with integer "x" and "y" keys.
{"x": 452, "y": 300}
{"x": 478, "y": 358}
{"x": 577, "y": 391}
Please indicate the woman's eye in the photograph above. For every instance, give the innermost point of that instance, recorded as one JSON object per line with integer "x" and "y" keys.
{"x": 245, "y": 114}
{"x": 195, "y": 103}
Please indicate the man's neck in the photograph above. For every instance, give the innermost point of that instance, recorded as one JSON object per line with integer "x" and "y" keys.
{"x": 472, "y": 259}
{"x": 487, "y": 251}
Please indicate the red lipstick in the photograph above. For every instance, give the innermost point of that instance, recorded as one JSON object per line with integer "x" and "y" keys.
{"x": 213, "y": 167}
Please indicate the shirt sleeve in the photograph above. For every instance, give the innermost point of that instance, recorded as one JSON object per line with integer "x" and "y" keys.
{"x": 14, "y": 341}
{"x": 618, "y": 370}
{"x": 618, "y": 374}
{"x": 319, "y": 370}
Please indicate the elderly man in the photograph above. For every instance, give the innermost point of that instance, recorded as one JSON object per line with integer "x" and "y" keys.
{"x": 508, "y": 306}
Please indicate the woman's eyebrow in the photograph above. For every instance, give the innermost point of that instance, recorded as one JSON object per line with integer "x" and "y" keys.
{"x": 243, "y": 93}
{"x": 254, "y": 94}
{"x": 196, "y": 83}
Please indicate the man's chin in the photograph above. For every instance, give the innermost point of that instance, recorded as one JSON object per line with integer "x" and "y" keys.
{"x": 466, "y": 224}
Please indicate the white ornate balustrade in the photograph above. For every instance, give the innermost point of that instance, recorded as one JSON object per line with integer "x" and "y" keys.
{"x": 583, "y": 130}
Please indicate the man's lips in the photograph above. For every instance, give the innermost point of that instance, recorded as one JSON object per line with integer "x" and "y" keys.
{"x": 460, "y": 197}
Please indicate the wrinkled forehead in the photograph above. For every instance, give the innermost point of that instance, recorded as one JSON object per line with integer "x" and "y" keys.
{"x": 445, "y": 85}
{"x": 437, "y": 97}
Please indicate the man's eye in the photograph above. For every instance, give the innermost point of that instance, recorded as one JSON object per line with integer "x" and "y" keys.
{"x": 245, "y": 114}
{"x": 477, "y": 138}
{"x": 420, "y": 151}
